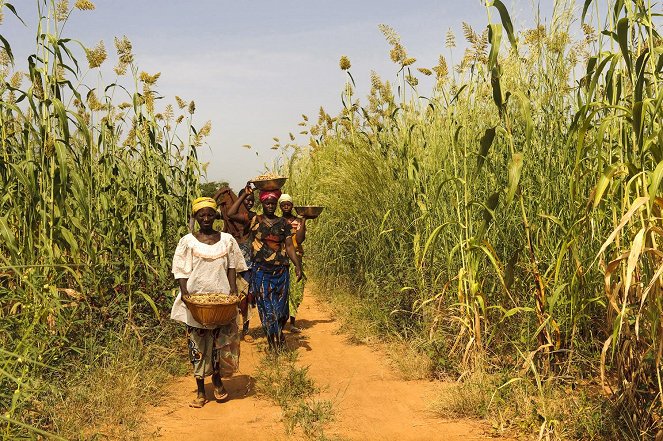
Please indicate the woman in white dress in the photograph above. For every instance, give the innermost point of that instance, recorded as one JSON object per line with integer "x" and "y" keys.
{"x": 207, "y": 261}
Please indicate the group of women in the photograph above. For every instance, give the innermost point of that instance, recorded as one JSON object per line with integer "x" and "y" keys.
{"x": 260, "y": 252}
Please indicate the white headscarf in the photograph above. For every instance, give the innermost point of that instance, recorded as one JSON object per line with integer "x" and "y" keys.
{"x": 285, "y": 198}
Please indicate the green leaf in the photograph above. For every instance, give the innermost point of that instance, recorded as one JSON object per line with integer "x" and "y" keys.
{"x": 484, "y": 146}
{"x": 585, "y": 7}
{"x": 622, "y": 39}
{"x": 497, "y": 88}
{"x": 69, "y": 238}
{"x": 495, "y": 37}
{"x": 655, "y": 182}
{"x": 515, "y": 168}
{"x": 506, "y": 21}
{"x": 609, "y": 172}
{"x": 7, "y": 234}
{"x": 149, "y": 301}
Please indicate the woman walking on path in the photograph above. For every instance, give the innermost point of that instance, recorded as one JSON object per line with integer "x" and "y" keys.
{"x": 272, "y": 251}
{"x": 207, "y": 261}
{"x": 298, "y": 225}
{"x": 243, "y": 238}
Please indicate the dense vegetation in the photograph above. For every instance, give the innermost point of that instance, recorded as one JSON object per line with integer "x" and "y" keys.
{"x": 509, "y": 221}
{"x": 95, "y": 187}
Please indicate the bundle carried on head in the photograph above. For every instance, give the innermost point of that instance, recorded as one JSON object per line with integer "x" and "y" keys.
{"x": 269, "y": 181}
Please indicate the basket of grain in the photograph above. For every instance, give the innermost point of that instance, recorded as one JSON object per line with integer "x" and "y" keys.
{"x": 269, "y": 182}
{"x": 212, "y": 309}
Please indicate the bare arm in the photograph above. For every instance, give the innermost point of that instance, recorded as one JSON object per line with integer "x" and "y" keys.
{"x": 301, "y": 231}
{"x": 292, "y": 254}
{"x": 233, "y": 211}
{"x": 232, "y": 279}
{"x": 183, "y": 288}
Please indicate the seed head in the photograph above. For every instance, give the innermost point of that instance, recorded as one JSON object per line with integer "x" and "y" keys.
{"x": 425, "y": 71}
{"x": 398, "y": 54}
{"x": 168, "y": 113}
{"x": 344, "y": 63}
{"x": 292, "y": 137}
{"x": 179, "y": 119}
{"x": 409, "y": 61}
{"x": 205, "y": 129}
{"x": 304, "y": 117}
{"x": 376, "y": 81}
{"x": 412, "y": 80}
{"x": 149, "y": 79}
{"x": 450, "y": 40}
{"x": 61, "y": 10}
{"x": 590, "y": 33}
{"x": 124, "y": 48}
{"x": 180, "y": 102}
{"x": 124, "y": 105}
{"x": 390, "y": 34}
{"x": 441, "y": 70}
{"x": 192, "y": 107}
{"x": 15, "y": 80}
{"x": 5, "y": 60}
{"x": 84, "y": 5}
{"x": 93, "y": 102}
{"x": 120, "y": 69}
{"x": 96, "y": 56}
{"x": 535, "y": 36}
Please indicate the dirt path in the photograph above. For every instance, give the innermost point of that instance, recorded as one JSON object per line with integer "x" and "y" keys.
{"x": 370, "y": 401}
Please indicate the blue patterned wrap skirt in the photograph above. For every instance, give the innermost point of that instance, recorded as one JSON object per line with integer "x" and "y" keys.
{"x": 269, "y": 285}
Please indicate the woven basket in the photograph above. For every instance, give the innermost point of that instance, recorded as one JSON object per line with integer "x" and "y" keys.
{"x": 213, "y": 309}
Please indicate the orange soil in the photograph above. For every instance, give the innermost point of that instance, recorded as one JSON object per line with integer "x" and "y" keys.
{"x": 370, "y": 401}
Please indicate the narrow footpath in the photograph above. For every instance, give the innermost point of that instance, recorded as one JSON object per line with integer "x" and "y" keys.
{"x": 370, "y": 401}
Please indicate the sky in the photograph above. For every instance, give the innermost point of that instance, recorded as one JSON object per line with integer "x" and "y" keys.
{"x": 254, "y": 67}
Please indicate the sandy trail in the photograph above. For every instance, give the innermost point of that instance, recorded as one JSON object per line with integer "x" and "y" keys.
{"x": 370, "y": 401}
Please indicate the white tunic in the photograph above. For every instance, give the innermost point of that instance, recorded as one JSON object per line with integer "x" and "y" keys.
{"x": 205, "y": 266}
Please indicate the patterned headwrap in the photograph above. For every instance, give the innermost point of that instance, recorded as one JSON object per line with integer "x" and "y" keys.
{"x": 285, "y": 198}
{"x": 200, "y": 203}
{"x": 264, "y": 195}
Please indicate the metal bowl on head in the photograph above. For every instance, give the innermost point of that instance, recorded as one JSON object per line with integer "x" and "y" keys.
{"x": 309, "y": 211}
{"x": 269, "y": 184}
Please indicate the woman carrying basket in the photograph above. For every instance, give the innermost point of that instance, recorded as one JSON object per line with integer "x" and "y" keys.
{"x": 272, "y": 251}
{"x": 207, "y": 261}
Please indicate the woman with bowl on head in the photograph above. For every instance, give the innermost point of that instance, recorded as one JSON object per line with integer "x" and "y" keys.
{"x": 298, "y": 224}
{"x": 246, "y": 198}
{"x": 207, "y": 261}
{"x": 272, "y": 251}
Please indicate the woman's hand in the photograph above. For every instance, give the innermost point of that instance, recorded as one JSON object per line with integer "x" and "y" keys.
{"x": 248, "y": 189}
{"x": 299, "y": 273}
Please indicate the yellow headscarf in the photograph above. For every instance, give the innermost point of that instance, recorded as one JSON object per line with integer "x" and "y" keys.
{"x": 200, "y": 203}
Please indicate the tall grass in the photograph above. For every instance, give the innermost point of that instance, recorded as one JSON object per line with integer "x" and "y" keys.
{"x": 512, "y": 217}
{"x": 94, "y": 186}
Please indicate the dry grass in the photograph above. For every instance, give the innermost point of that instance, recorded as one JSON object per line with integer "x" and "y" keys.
{"x": 552, "y": 410}
{"x": 108, "y": 400}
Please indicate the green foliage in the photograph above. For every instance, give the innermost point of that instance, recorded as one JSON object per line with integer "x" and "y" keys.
{"x": 94, "y": 195}
{"x": 475, "y": 217}
{"x": 208, "y": 189}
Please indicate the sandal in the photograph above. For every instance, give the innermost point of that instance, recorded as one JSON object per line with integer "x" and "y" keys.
{"x": 220, "y": 393}
{"x": 198, "y": 402}
{"x": 295, "y": 330}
